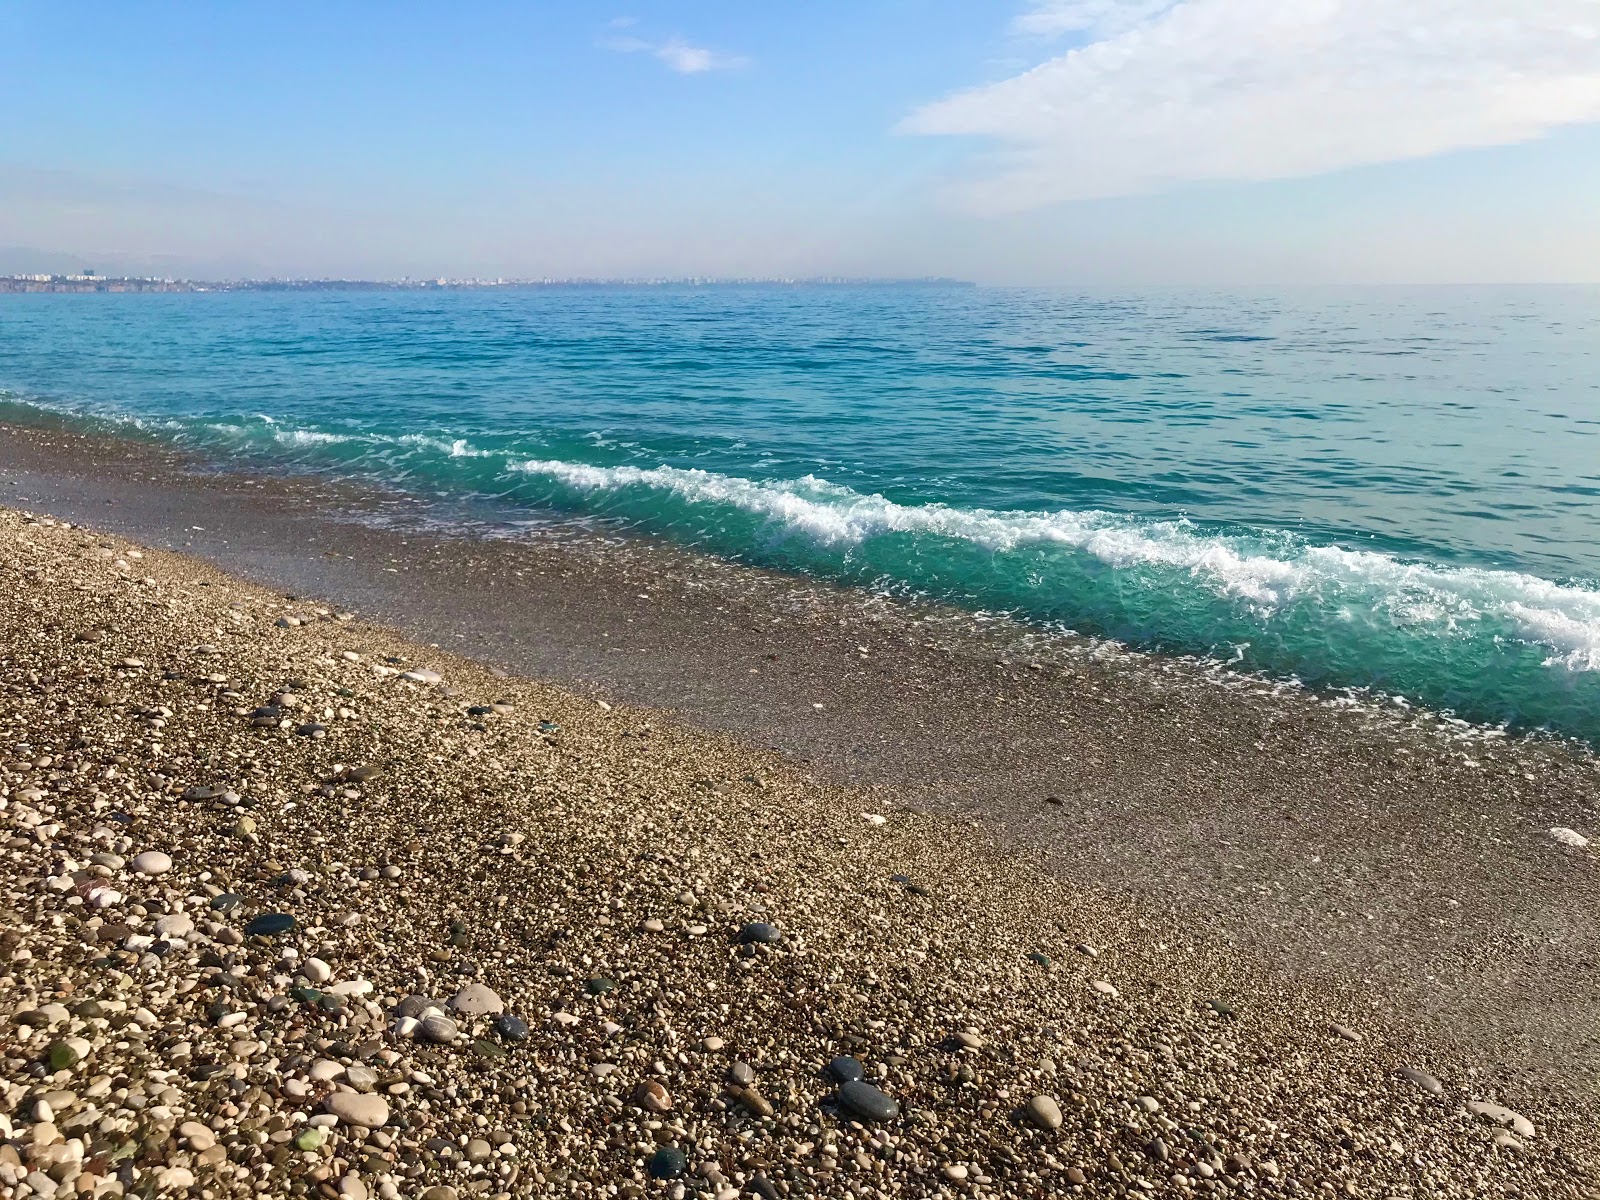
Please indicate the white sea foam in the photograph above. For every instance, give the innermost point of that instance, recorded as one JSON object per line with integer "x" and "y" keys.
{"x": 1270, "y": 572}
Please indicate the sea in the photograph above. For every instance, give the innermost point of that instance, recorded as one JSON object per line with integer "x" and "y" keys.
{"x": 1391, "y": 492}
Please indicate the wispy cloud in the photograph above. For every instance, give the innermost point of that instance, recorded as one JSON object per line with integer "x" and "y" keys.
{"x": 1160, "y": 93}
{"x": 678, "y": 54}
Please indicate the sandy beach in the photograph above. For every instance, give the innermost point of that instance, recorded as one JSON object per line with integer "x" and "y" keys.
{"x": 299, "y": 903}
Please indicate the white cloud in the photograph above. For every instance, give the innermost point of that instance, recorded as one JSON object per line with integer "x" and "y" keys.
{"x": 1161, "y": 94}
{"x": 677, "y": 54}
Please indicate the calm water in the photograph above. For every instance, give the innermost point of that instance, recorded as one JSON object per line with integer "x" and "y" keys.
{"x": 1394, "y": 489}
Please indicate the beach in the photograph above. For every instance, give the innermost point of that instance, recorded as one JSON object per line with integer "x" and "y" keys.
{"x": 1087, "y": 922}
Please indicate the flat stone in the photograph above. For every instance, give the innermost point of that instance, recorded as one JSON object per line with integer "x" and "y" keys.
{"x": 152, "y": 862}
{"x": 759, "y": 931}
{"x": 867, "y": 1102}
{"x": 1501, "y": 1115}
{"x": 477, "y": 1000}
{"x": 357, "y": 1108}
{"x": 1569, "y": 837}
{"x": 270, "y": 925}
{"x": 1422, "y": 1079}
{"x": 742, "y": 1073}
{"x": 1043, "y": 1112}
{"x": 845, "y": 1069}
{"x": 479, "y": 1151}
{"x": 1344, "y": 1031}
{"x": 174, "y": 925}
{"x": 226, "y": 902}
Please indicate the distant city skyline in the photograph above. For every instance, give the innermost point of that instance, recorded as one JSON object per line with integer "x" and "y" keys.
{"x": 1040, "y": 141}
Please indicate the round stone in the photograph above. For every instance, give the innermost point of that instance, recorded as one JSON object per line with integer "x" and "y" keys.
{"x": 476, "y": 1000}
{"x": 668, "y": 1163}
{"x": 439, "y": 1029}
{"x": 357, "y": 1108}
{"x": 846, "y": 1069}
{"x": 1043, "y": 1112}
{"x": 317, "y": 971}
{"x": 600, "y": 985}
{"x": 479, "y": 1151}
{"x": 759, "y": 931}
{"x": 866, "y": 1102}
{"x": 226, "y": 902}
{"x": 152, "y": 862}
{"x": 270, "y": 925}
{"x": 742, "y": 1073}
{"x": 512, "y": 1029}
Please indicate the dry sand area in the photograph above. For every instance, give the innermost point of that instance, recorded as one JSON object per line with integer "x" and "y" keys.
{"x": 293, "y": 906}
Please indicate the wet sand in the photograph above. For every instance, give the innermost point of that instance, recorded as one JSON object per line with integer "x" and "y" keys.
{"x": 1336, "y": 847}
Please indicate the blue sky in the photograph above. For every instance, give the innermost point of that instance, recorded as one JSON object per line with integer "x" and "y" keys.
{"x": 1072, "y": 141}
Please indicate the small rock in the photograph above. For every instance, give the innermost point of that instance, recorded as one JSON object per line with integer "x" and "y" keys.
{"x": 1501, "y": 1115}
{"x": 476, "y": 1000}
{"x": 355, "y": 1108}
{"x": 439, "y": 1029}
{"x": 152, "y": 862}
{"x": 1569, "y": 837}
{"x": 867, "y": 1102}
{"x": 844, "y": 1069}
{"x": 316, "y": 971}
{"x": 270, "y": 925}
{"x": 668, "y": 1163}
{"x": 511, "y": 1028}
{"x": 759, "y": 931}
{"x": 1422, "y": 1079}
{"x": 1043, "y": 1112}
{"x": 652, "y": 1097}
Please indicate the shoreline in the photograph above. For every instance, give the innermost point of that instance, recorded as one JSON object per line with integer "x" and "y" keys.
{"x": 1329, "y": 846}
{"x": 611, "y": 876}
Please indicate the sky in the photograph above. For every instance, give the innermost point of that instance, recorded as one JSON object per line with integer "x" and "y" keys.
{"x": 1007, "y": 141}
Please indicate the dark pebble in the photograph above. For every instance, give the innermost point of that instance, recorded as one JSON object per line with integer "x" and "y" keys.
{"x": 270, "y": 925}
{"x": 759, "y": 931}
{"x": 226, "y": 902}
{"x": 867, "y": 1102}
{"x": 512, "y": 1029}
{"x": 846, "y": 1069}
{"x": 668, "y": 1163}
{"x": 600, "y": 985}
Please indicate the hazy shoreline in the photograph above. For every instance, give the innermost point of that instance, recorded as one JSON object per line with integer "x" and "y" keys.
{"x": 606, "y": 874}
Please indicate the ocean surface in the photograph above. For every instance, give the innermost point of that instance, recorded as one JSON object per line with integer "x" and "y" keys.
{"x": 1395, "y": 490}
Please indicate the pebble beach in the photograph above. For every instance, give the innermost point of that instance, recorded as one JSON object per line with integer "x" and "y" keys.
{"x": 297, "y": 906}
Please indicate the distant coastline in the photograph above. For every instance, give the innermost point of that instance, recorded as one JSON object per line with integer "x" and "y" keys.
{"x": 88, "y": 282}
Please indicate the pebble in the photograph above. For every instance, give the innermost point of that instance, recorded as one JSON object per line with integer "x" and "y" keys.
{"x": 512, "y": 1029}
{"x": 742, "y": 1073}
{"x": 867, "y": 1102}
{"x": 476, "y": 1000}
{"x": 1500, "y": 1115}
{"x": 270, "y": 925}
{"x": 1422, "y": 1079}
{"x": 844, "y": 1069}
{"x": 152, "y": 862}
{"x": 439, "y": 1029}
{"x": 316, "y": 971}
{"x": 759, "y": 932}
{"x": 1569, "y": 837}
{"x": 1344, "y": 1031}
{"x": 356, "y": 1108}
{"x": 668, "y": 1162}
{"x": 652, "y": 1097}
{"x": 1043, "y": 1112}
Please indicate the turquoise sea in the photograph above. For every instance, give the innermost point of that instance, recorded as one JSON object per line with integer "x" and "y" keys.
{"x": 1388, "y": 489}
